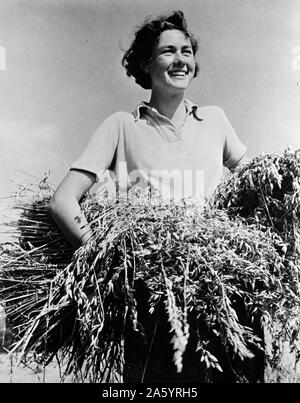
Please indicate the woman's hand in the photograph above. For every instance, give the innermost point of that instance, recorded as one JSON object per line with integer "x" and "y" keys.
{"x": 65, "y": 209}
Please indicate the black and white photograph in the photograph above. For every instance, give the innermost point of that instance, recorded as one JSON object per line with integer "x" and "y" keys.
{"x": 149, "y": 194}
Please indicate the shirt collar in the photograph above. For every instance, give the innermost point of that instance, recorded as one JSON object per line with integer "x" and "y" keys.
{"x": 139, "y": 109}
{"x": 194, "y": 109}
{"x": 190, "y": 106}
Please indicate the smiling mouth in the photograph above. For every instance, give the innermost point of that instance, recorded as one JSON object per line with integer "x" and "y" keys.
{"x": 178, "y": 73}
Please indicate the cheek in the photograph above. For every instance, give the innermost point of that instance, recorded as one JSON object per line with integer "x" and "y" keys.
{"x": 158, "y": 69}
{"x": 164, "y": 62}
{"x": 192, "y": 64}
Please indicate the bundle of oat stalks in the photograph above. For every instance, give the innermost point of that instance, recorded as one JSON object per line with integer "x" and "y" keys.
{"x": 193, "y": 262}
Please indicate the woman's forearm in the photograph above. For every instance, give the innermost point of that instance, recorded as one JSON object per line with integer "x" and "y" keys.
{"x": 70, "y": 219}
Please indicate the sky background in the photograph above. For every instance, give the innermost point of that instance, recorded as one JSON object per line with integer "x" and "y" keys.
{"x": 63, "y": 74}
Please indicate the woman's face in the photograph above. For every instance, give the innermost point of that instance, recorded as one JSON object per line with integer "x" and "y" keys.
{"x": 172, "y": 65}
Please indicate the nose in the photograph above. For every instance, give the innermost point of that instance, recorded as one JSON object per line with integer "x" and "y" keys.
{"x": 179, "y": 59}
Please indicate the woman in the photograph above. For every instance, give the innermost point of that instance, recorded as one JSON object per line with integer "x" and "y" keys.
{"x": 169, "y": 143}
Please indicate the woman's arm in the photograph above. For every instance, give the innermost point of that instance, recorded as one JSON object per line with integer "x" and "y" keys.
{"x": 64, "y": 206}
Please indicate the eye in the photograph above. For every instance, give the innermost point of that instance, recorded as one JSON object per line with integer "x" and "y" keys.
{"x": 187, "y": 51}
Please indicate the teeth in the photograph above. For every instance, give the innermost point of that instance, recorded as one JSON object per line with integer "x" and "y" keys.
{"x": 178, "y": 73}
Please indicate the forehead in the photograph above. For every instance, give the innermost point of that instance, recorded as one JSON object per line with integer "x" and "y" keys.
{"x": 173, "y": 37}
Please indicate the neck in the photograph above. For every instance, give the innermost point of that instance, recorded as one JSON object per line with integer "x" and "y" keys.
{"x": 171, "y": 107}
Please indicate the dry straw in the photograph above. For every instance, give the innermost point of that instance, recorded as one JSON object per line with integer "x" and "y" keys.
{"x": 200, "y": 264}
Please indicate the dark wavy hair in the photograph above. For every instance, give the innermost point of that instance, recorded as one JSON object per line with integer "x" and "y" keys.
{"x": 146, "y": 37}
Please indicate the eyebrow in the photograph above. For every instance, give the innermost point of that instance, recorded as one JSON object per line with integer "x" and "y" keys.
{"x": 172, "y": 47}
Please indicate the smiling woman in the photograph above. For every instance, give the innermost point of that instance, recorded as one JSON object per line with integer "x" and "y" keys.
{"x": 166, "y": 141}
{"x": 149, "y": 42}
{"x": 168, "y": 134}
{"x": 172, "y": 66}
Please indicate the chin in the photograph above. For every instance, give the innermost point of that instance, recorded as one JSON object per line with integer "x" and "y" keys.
{"x": 181, "y": 87}
{"x": 180, "y": 84}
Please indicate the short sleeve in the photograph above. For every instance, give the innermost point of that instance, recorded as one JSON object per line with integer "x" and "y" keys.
{"x": 99, "y": 153}
{"x": 234, "y": 149}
